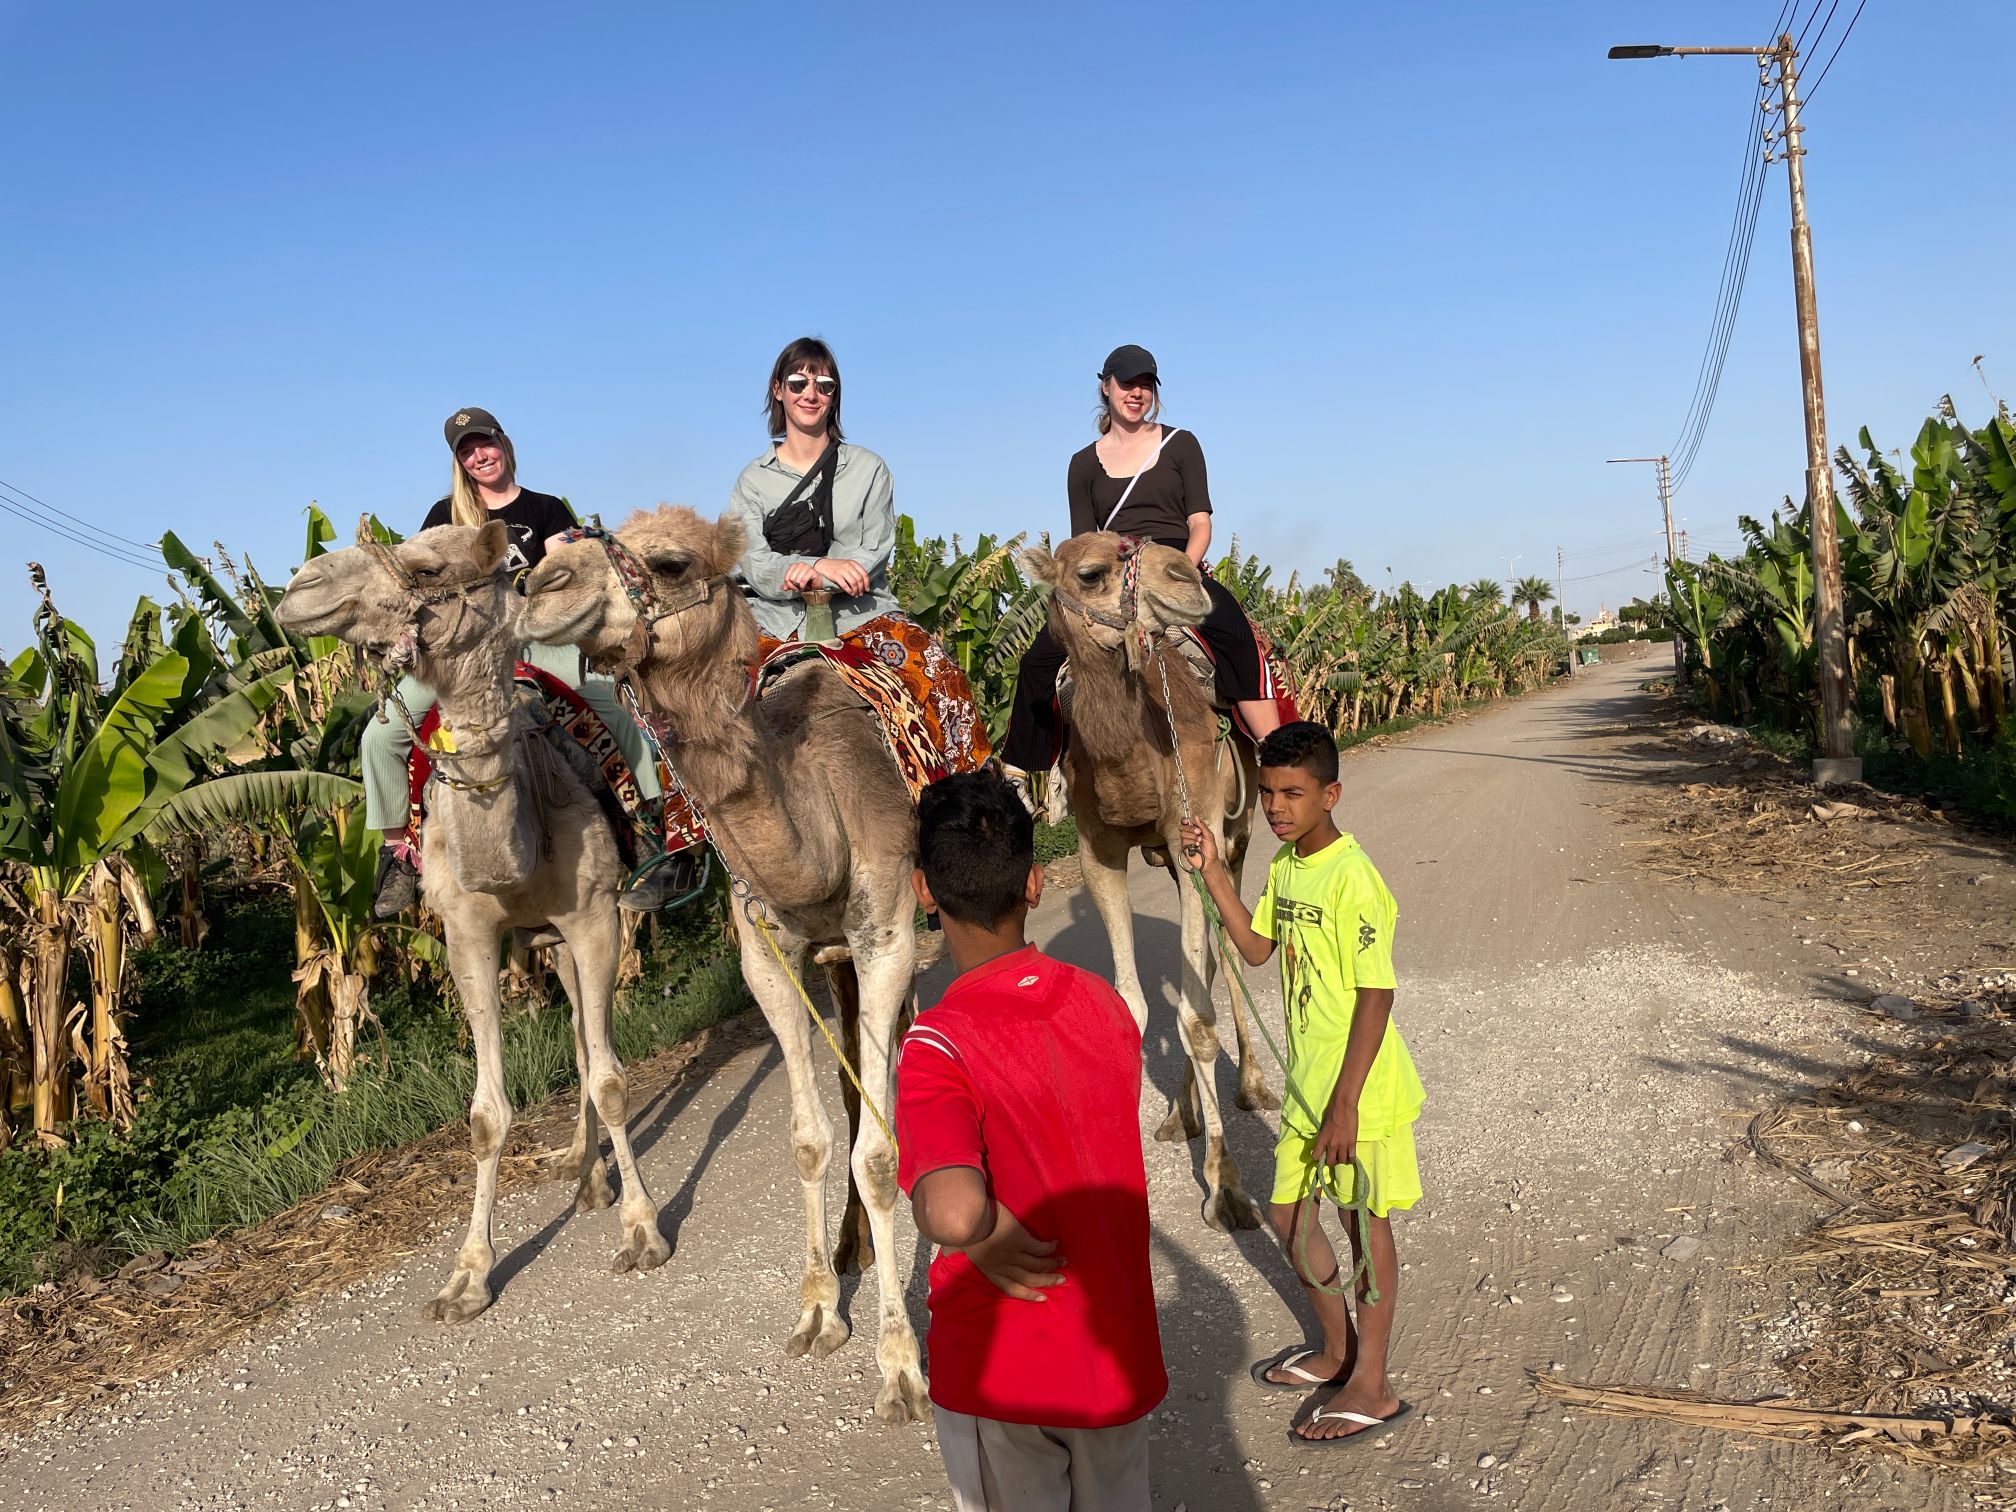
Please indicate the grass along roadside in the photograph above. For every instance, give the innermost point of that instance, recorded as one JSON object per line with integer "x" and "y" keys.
{"x": 233, "y": 1128}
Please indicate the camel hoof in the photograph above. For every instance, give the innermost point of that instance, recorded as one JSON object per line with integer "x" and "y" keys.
{"x": 819, "y": 1332}
{"x": 460, "y": 1300}
{"x": 1228, "y": 1209}
{"x": 1258, "y": 1098}
{"x": 644, "y": 1249}
{"x": 854, "y": 1255}
{"x": 1179, "y": 1127}
{"x": 903, "y": 1399}
{"x": 594, "y": 1192}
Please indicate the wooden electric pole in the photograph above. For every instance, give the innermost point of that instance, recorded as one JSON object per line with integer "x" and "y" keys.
{"x": 1837, "y": 761}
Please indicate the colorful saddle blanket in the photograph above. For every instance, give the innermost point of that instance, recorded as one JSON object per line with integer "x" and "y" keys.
{"x": 1273, "y": 672}
{"x": 574, "y": 718}
{"x": 920, "y": 695}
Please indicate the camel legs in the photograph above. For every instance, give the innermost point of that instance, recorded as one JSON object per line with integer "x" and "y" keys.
{"x": 821, "y": 1329}
{"x": 582, "y": 1159}
{"x": 1226, "y": 1206}
{"x": 1254, "y": 1093}
{"x": 593, "y": 942}
{"x": 472, "y": 960}
{"x": 885, "y": 991}
{"x": 1104, "y": 858}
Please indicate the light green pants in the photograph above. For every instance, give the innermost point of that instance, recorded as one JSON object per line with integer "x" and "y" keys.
{"x": 386, "y": 744}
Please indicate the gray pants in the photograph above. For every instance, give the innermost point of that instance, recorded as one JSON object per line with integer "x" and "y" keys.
{"x": 386, "y": 743}
{"x": 1015, "y": 1467}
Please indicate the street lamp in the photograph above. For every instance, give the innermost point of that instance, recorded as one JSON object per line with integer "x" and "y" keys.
{"x": 1837, "y": 761}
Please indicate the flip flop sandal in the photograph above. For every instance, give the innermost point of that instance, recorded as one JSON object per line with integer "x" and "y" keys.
{"x": 1286, "y": 1360}
{"x": 1367, "y": 1426}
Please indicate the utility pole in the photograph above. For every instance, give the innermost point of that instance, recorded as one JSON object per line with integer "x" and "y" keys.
{"x": 1837, "y": 761}
{"x": 1666, "y": 510}
{"x": 1685, "y": 556}
{"x": 1561, "y": 608}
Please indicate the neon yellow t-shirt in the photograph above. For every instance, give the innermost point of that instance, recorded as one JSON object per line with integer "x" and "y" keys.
{"x": 1332, "y": 918}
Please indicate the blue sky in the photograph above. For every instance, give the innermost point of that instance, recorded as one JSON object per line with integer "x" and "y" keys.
{"x": 1411, "y": 272}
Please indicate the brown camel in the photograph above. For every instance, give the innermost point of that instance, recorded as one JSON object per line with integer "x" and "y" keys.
{"x": 1112, "y": 607}
{"x": 809, "y": 811}
{"x": 513, "y": 840}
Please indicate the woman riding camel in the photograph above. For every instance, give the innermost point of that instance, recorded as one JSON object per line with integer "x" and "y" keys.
{"x": 1140, "y": 478}
{"x": 820, "y": 512}
{"x": 483, "y": 486}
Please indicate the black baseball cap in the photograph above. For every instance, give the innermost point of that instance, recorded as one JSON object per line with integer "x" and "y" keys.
{"x": 470, "y": 421}
{"x": 1130, "y": 362}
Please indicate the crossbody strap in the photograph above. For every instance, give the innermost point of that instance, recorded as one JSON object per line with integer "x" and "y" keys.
{"x": 1153, "y": 457}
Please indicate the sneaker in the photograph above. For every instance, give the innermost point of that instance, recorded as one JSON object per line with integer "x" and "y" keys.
{"x": 672, "y": 877}
{"x": 397, "y": 887}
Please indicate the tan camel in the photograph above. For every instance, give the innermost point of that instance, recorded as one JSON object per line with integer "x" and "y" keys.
{"x": 513, "y": 840}
{"x": 809, "y": 811}
{"x": 1112, "y": 607}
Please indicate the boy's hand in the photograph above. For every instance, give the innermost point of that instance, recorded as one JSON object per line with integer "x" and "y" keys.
{"x": 1337, "y": 1140}
{"x": 1015, "y": 1260}
{"x": 1200, "y": 851}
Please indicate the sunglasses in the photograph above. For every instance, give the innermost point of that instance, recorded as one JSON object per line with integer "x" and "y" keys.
{"x": 797, "y": 383}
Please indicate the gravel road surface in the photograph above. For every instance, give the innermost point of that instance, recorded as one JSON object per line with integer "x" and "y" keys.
{"x": 1592, "y": 1041}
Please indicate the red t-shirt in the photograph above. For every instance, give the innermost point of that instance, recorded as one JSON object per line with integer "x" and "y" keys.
{"x": 1029, "y": 1070}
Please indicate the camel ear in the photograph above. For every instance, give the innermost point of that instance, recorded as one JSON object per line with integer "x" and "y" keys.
{"x": 492, "y": 541}
{"x": 1038, "y": 564}
{"x": 731, "y": 537}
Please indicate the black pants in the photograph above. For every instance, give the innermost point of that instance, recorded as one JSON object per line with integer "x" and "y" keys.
{"x": 1035, "y": 734}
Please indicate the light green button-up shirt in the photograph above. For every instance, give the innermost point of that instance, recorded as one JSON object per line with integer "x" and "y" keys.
{"x": 864, "y": 531}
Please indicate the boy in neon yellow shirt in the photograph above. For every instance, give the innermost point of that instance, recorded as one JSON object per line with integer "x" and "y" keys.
{"x": 1352, "y": 1094}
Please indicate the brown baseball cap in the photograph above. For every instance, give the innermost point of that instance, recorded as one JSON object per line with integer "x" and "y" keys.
{"x": 470, "y": 421}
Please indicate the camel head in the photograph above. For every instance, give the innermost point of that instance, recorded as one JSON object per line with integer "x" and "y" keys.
{"x": 444, "y": 582}
{"x": 1089, "y": 578}
{"x": 675, "y": 602}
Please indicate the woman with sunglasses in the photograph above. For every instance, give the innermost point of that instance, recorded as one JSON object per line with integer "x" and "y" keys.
{"x": 820, "y": 513}
{"x": 1140, "y": 478}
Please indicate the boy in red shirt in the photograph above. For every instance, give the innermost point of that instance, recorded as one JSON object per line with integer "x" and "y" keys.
{"x": 1018, "y": 1122}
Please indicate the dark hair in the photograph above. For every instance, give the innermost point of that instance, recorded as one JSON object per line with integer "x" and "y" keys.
{"x": 806, "y": 352}
{"x": 1302, "y": 744}
{"x": 976, "y": 844}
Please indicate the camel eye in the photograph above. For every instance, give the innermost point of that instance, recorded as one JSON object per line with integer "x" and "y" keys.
{"x": 673, "y": 567}
{"x": 1090, "y": 576}
{"x": 427, "y": 572}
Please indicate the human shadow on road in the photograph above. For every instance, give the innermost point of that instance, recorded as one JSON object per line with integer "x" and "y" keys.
{"x": 672, "y": 1214}
{"x": 1158, "y": 945}
{"x": 1195, "y": 1457}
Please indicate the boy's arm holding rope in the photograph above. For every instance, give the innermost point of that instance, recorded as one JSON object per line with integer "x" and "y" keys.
{"x": 1337, "y": 1139}
{"x": 1200, "y": 854}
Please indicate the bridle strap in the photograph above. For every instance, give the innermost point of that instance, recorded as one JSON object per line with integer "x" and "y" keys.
{"x": 1130, "y": 592}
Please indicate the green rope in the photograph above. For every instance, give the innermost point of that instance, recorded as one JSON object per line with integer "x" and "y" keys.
{"x": 1360, "y": 1204}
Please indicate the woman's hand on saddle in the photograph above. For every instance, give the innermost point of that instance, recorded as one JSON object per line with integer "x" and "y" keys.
{"x": 850, "y": 578}
{"x": 1200, "y": 851}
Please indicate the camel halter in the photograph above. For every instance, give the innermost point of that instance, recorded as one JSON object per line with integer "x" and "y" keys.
{"x": 1361, "y": 1197}
{"x": 648, "y": 606}
{"x": 1130, "y": 592}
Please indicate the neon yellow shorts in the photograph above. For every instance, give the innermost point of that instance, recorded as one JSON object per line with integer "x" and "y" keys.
{"x": 1391, "y": 1171}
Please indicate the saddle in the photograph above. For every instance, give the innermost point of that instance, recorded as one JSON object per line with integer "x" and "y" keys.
{"x": 584, "y": 741}
{"x": 918, "y": 694}
{"x": 1195, "y": 654}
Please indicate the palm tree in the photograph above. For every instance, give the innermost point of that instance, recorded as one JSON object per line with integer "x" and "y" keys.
{"x": 1532, "y": 592}
{"x": 1485, "y": 591}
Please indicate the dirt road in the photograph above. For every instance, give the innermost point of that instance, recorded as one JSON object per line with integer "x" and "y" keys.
{"x": 1592, "y": 1041}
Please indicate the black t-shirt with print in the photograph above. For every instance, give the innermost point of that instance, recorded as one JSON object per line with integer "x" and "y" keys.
{"x": 530, "y": 519}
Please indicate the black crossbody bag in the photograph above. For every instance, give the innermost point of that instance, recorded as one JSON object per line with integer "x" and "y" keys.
{"x": 801, "y": 525}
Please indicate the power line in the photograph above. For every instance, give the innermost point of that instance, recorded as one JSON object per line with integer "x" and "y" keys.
{"x": 1832, "y": 56}
{"x": 22, "y": 494}
{"x": 1729, "y": 299}
{"x": 1800, "y": 45}
{"x": 1637, "y": 566}
{"x": 106, "y": 551}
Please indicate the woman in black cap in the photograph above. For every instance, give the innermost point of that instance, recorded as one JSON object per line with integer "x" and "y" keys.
{"x": 483, "y": 486}
{"x": 1140, "y": 478}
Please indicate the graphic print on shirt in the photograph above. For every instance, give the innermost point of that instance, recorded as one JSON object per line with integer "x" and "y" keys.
{"x": 1303, "y": 977}
{"x": 1367, "y": 935}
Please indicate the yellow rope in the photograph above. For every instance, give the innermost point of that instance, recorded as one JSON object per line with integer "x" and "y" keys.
{"x": 770, "y": 939}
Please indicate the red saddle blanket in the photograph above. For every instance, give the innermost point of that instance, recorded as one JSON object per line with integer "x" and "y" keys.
{"x": 1273, "y": 674}
{"x": 919, "y": 694}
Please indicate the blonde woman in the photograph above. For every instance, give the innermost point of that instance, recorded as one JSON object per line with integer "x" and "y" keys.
{"x": 483, "y": 486}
